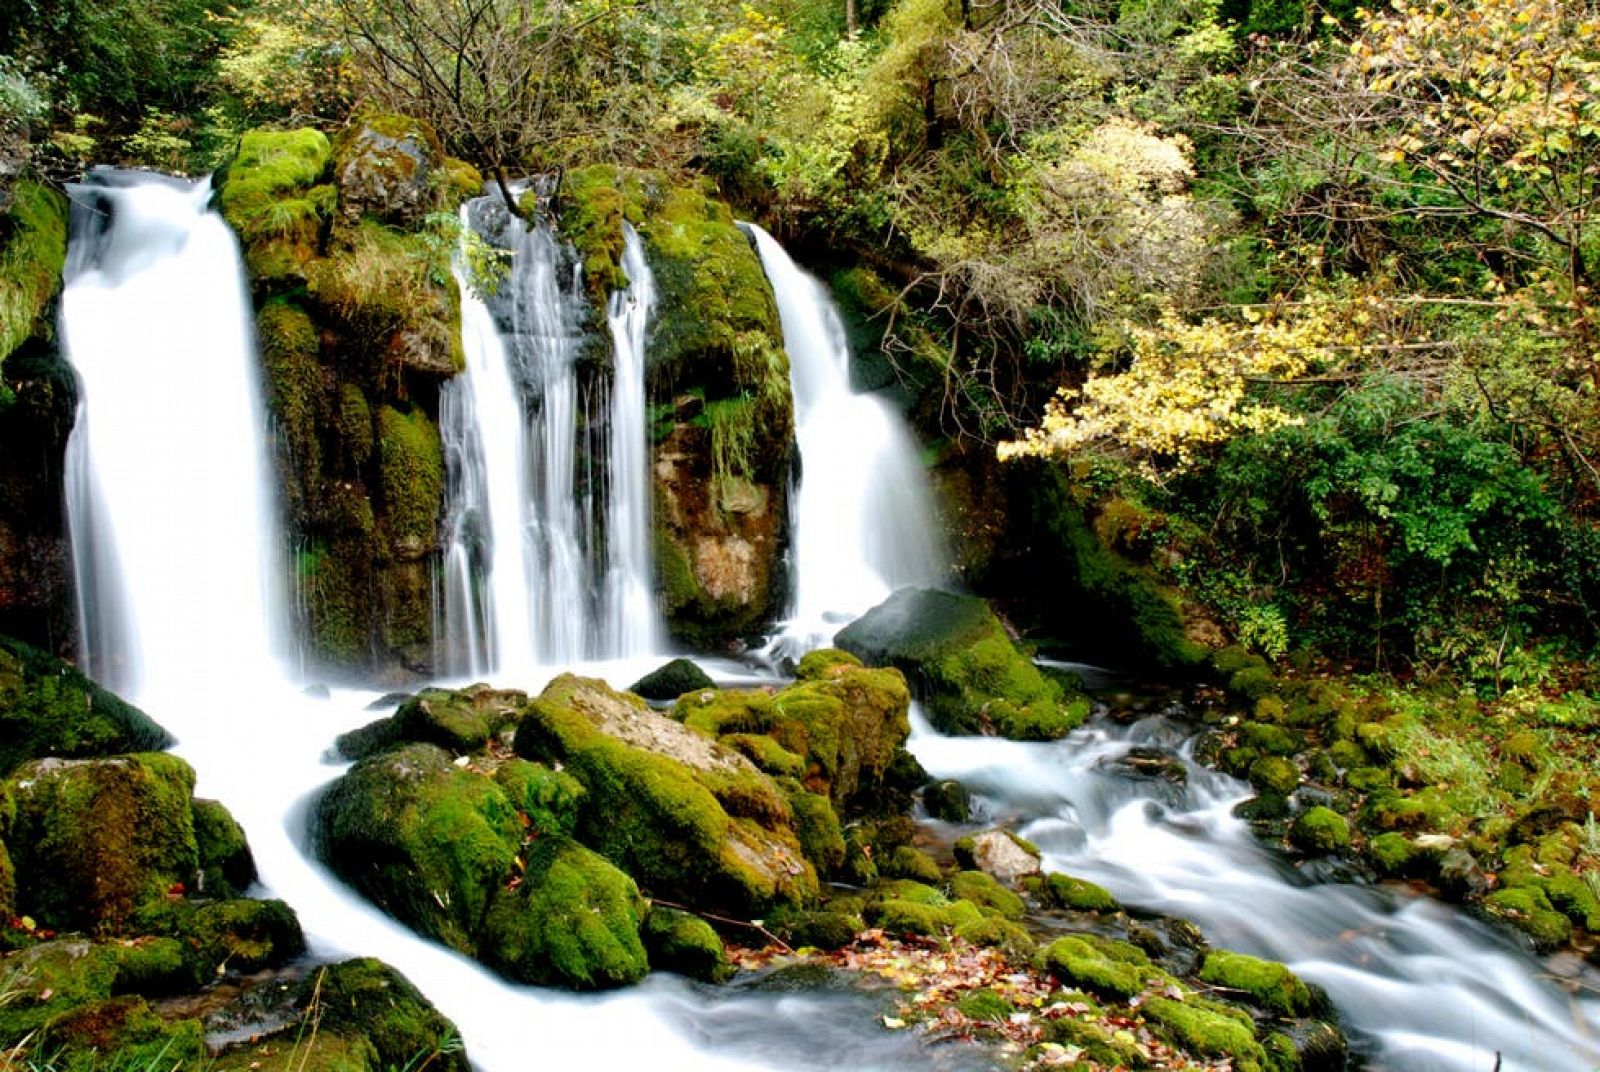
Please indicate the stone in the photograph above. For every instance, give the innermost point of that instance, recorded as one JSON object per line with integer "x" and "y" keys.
{"x": 1000, "y": 853}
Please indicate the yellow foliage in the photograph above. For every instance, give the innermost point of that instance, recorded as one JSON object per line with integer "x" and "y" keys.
{"x": 1192, "y": 386}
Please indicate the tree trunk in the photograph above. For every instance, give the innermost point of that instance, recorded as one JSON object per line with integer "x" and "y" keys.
{"x": 850, "y": 16}
{"x": 505, "y": 192}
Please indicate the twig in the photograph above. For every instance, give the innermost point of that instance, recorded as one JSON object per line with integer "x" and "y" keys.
{"x": 751, "y": 924}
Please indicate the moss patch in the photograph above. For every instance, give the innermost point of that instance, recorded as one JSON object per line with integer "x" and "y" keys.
{"x": 33, "y": 249}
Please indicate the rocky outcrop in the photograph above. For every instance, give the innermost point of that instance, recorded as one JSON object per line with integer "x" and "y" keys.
{"x": 359, "y": 323}
{"x": 38, "y": 403}
{"x": 718, "y": 383}
{"x": 959, "y": 660}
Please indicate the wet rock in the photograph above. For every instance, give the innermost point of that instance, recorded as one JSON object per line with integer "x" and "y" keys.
{"x": 1150, "y": 764}
{"x": 948, "y": 800}
{"x": 672, "y": 680}
{"x": 960, "y": 662}
{"x": 1319, "y": 1045}
{"x": 1000, "y": 853}
{"x": 1320, "y": 830}
{"x": 1270, "y": 984}
{"x": 227, "y": 867}
{"x": 1459, "y": 876}
{"x": 686, "y": 944}
{"x": 460, "y": 721}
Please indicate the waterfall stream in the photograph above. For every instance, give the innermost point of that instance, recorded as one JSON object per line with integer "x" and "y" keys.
{"x": 863, "y": 521}
{"x": 547, "y": 550}
{"x": 177, "y": 551}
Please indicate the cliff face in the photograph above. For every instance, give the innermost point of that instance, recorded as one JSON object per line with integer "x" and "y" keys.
{"x": 359, "y": 325}
{"x": 722, "y": 417}
{"x": 38, "y": 398}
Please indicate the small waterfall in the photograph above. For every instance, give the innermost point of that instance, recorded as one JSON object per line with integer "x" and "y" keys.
{"x": 863, "y": 522}
{"x": 547, "y": 529}
{"x": 172, "y": 526}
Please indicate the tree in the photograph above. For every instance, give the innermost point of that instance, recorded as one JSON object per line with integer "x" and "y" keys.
{"x": 488, "y": 74}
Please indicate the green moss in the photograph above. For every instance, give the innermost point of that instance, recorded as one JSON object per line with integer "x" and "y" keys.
{"x": 410, "y": 479}
{"x": 984, "y": 891}
{"x": 1271, "y": 740}
{"x": 817, "y": 826}
{"x": 367, "y": 999}
{"x": 998, "y": 932}
{"x": 1320, "y": 830}
{"x": 49, "y": 708}
{"x": 825, "y": 929}
{"x": 460, "y": 721}
{"x": 355, "y": 427}
{"x": 909, "y": 862}
{"x": 574, "y": 921}
{"x": 1208, "y": 1032}
{"x": 239, "y": 934}
{"x": 1347, "y": 755}
{"x": 985, "y": 1004}
{"x": 1391, "y": 854}
{"x": 718, "y": 836}
{"x": 550, "y": 799}
{"x": 947, "y": 800}
{"x": 92, "y": 840}
{"x": 272, "y": 193}
{"x": 956, "y": 654}
{"x": 767, "y": 754}
{"x": 898, "y": 916}
{"x": 823, "y": 663}
{"x": 1274, "y": 986}
{"x": 428, "y": 842}
{"x": 590, "y": 217}
{"x": 289, "y": 359}
{"x": 33, "y": 249}
{"x": 1274, "y": 774}
{"x": 129, "y": 1029}
{"x": 226, "y": 865}
{"x": 671, "y": 680}
{"x": 686, "y": 944}
{"x": 48, "y": 980}
{"x": 1390, "y": 809}
{"x": 1368, "y": 779}
{"x": 1097, "y": 1042}
{"x": 1529, "y": 910}
{"x": 1076, "y": 962}
{"x": 1078, "y": 894}
{"x": 8, "y": 885}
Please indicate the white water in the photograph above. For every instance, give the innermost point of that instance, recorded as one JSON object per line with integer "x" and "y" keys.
{"x": 526, "y": 582}
{"x": 1422, "y": 987}
{"x": 863, "y": 520}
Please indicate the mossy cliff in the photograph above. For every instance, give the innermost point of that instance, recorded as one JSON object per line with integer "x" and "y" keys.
{"x": 358, "y": 320}
{"x": 718, "y": 385}
{"x": 38, "y": 402}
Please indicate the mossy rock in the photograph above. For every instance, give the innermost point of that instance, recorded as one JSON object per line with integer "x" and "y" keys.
{"x": 1320, "y": 830}
{"x": 1076, "y": 894}
{"x": 671, "y": 680}
{"x": 960, "y": 662}
{"x": 49, "y": 708}
{"x": 689, "y": 818}
{"x": 410, "y": 480}
{"x": 426, "y": 841}
{"x": 1097, "y": 1042}
{"x": 1270, "y": 984}
{"x": 237, "y": 934}
{"x": 393, "y": 168}
{"x": 981, "y": 889}
{"x": 94, "y": 839}
{"x": 1003, "y": 854}
{"x": 461, "y": 721}
{"x": 820, "y": 929}
{"x": 1208, "y": 1031}
{"x": 816, "y": 824}
{"x": 1077, "y": 962}
{"x": 1274, "y": 774}
{"x": 275, "y": 195}
{"x": 573, "y": 921}
{"x": 1528, "y": 909}
{"x": 948, "y": 801}
{"x": 50, "y": 979}
{"x": 8, "y": 885}
{"x": 1000, "y": 933}
{"x": 376, "y": 736}
{"x": 368, "y": 1000}
{"x": 1392, "y": 854}
{"x": 550, "y": 800}
{"x": 899, "y": 916}
{"x": 685, "y": 944}
{"x": 227, "y": 867}
{"x": 907, "y": 861}
{"x": 128, "y": 1029}
{"x": 33, "y": 250}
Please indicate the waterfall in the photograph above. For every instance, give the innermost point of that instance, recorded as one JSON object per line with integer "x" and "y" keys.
{"x": 171, "y": 522}
{"x": 863, "y": 520}
{"x": 547, "y": 531}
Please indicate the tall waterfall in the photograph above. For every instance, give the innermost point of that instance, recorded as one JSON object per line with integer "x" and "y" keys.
{"x": 548, "y": 523}
{"x": 863, "y": 521}
{"x": 172, "y": 524}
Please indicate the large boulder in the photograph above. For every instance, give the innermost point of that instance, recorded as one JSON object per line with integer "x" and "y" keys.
{"x": 94, "y": 840}
{"x": 427, "y": 841}
{"x": 572, "y": 921}
{"x": 49, "y": 708}
{"x": 688, "y": 817}
{"x": 959, "y": 661}
{"x": 391, "y": 168}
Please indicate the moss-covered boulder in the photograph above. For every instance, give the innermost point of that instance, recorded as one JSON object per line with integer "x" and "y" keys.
{"x": 1320, "y": 830}
{"x": 1000, "y": 853}
{"x": 1072, "y": 893}
{"x": 227, "y": 867}
{"x": 392, "y": 168}
{"x": 572, "y": 921}
{"x": 848, "y": 724}
{"x": 671, "y": 680}
{"x": 33, "y": 249}
{"x": 1210, "y": 1030}
{"x": 93, "y": 840}
{"x": 49, "y": 708}
{"x": 367, "y": 1000}
{"x": 1268, "y": 983}
{"x": 718, "y": 381}
{"x": 429, "y": 842}
{"x": 458, "y": 720}
{"x": 1100, "y": 966}
{"x": 689, "y": 818}
{"x": 960, "y": 662}
{"x": 275, "y": 195}
{"x": 686, "y": 944}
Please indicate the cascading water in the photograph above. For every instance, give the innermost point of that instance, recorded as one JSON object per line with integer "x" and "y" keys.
{"x": 1421, "y": 987}
{"x": 863, "y": 521}
{"x": 181, "y": 538}
{"x": 526, "y": 582}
